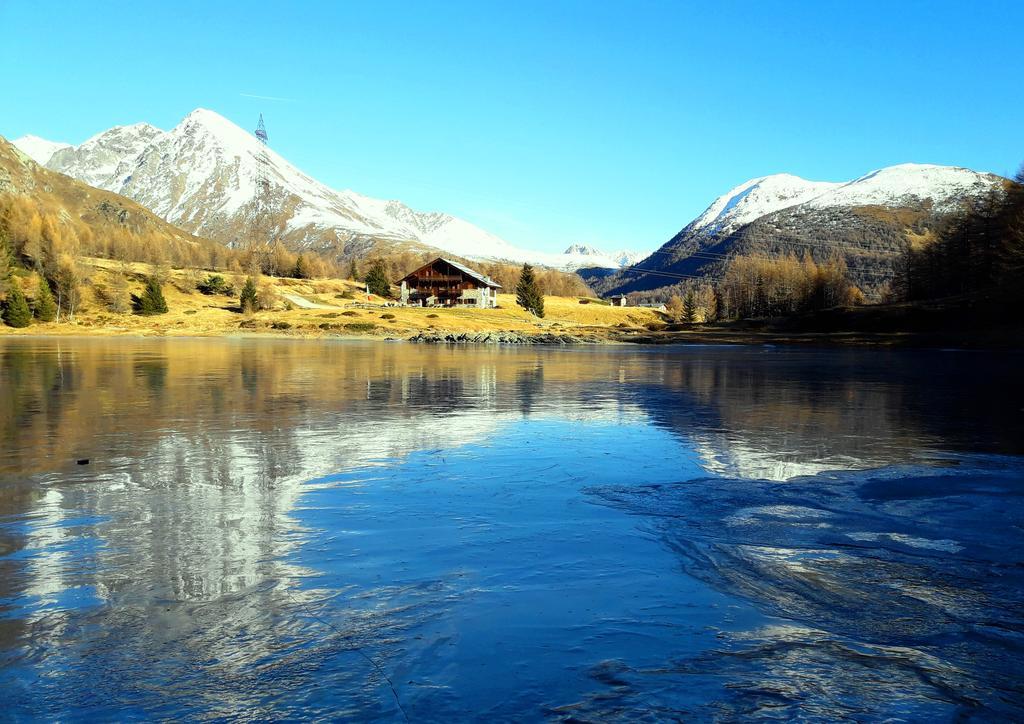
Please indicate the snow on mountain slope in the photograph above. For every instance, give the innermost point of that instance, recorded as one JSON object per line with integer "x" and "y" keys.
{"x": 864, "y": 220}
{"x": 902, "y": 185}
{"x": 755, "y": 198}
{"x": 202, "y": 176}
{"x": 584, "y": 255}
{"x": 39, "y": 149}
{"x": 909, "y": 184}
{"x": 105, "y": 159}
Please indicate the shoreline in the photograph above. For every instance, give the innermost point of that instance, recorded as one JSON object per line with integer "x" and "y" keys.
{"x": 983, "y": 340}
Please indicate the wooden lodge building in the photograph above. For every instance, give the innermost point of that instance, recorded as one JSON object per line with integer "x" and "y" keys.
{"x": 446, "y": 283}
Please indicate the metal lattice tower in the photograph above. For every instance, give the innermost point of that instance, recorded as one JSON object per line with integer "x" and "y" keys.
{"x": 261, "y": 236}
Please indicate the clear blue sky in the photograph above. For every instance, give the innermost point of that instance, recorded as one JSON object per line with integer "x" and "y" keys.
{"x": 545, "y": 122}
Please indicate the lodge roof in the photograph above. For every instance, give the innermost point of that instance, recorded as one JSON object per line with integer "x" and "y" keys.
{"x": 482, "y": 278}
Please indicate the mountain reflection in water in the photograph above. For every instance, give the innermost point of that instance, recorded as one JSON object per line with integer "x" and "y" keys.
{"x": 271, "y": 528}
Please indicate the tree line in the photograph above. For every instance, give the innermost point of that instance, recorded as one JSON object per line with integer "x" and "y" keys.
{"x": 978, "y": 252}
{"x": 41, "y": 235}
{"x": 755, "y": 285}
{"x": 396, "y": 265}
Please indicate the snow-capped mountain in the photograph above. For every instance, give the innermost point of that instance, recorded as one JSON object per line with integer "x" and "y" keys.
{"x": 202, "y": 175}
{"x": 783, "y": 213}
{"x": 584, "y": 255}
{"x": 898, "y": 186}
{"x": 39, "y": 149}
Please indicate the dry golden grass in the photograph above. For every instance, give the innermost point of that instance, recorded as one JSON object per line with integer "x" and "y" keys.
{"x": 195, "y": 314}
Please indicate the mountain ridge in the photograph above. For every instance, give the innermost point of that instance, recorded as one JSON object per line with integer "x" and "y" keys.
{"x": 868, "y": 220}
{"x": 202, "y": 176}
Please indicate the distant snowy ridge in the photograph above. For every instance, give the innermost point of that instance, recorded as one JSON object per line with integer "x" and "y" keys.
{"x": 202, "y": 175}
{"x": 39, "y": 149}
{"x": 897, "y": 186}
{"x": 584, "y": 255}
{"x": 783, "y": 213}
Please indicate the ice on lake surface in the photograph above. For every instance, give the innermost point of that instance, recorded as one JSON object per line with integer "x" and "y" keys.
{"x": 275, "y": 529}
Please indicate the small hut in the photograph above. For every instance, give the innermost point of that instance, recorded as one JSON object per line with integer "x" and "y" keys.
{"x": 447, "y": 283}
{"x": 618, "y": 300}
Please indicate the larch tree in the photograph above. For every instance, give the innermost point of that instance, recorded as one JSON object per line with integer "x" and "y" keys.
{"x": 674, "y": 306}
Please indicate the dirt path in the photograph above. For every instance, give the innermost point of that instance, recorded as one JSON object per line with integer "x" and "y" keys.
{"x": 303, "y": 303}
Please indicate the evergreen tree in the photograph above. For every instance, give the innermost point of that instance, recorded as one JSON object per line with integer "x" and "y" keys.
{"x": 353, "y": 272}
{"x": 377, "y": 280}
{"x": 15, "y": 308}
{"x": 6, "y": 262}
{"x": 690, "y": 308}
{"x": 528, "y": 292}
{"x": 152, "y": 300}
{"x": 301, "y": 270}
{"x": 45, "y": 307}
{"x": 248, "y": 298}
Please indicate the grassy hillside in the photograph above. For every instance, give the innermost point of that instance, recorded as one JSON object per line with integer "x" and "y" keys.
{"x": 341, "y": 309}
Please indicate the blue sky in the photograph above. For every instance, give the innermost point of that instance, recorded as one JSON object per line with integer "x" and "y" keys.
{"x": 545, "y": 122}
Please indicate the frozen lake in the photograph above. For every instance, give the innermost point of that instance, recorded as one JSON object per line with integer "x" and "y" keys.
{"x": 274, "y": 529}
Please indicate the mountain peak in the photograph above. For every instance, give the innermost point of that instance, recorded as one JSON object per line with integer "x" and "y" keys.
{"x": 234, "y": 138}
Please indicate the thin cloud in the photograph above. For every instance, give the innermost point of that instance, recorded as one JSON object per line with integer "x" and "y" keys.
{"x": 267, "y": 98}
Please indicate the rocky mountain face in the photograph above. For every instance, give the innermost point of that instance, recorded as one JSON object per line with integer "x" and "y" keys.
{"x": 868, "y": 221}
{"x": 21, "y": 176}
{"x": 202, "y": 176}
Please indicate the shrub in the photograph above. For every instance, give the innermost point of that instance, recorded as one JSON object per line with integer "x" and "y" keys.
{"x": 350, "y": 313}
{"x": 360, "y": 326}
{"x": 432, "y": 316}
{"x": 190, "y": 311}
{"x": 152, "y": 300}
{"x": 387, "y": 316}
{"x": 216, "y": 284}
{"x": 266, "y": 297}
{"x": 281, "y": 325}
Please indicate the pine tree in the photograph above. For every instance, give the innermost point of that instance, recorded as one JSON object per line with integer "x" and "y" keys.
{"x": 301, "y": 271}
{"x": 690, "y": 308}
{"x": 528, "y": 292}
{"x": 152, "y": 300}
{"x": 377, "y": 280}
{"x": 45, "y": 307}
{"x": 248, "y": 297}
{"x": 353, "y": 272}
{"x": 15, "y": 308}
